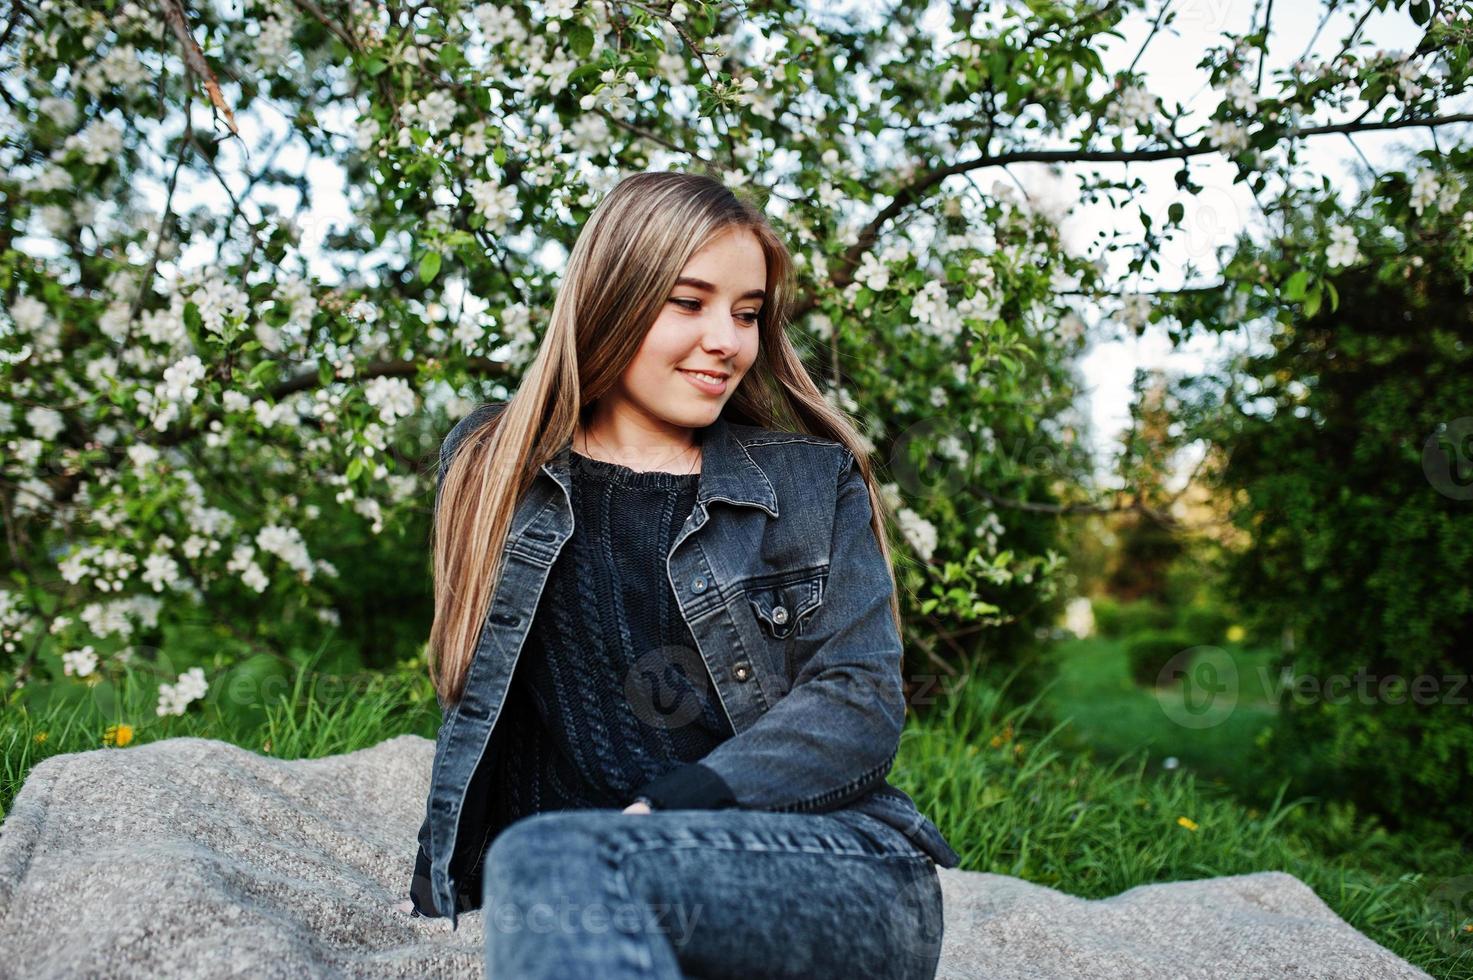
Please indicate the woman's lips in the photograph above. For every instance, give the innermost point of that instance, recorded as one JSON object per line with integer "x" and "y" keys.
{"x": 704, "y": 386}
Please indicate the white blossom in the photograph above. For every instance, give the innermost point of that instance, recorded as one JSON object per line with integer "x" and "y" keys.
{"x": 1343, "y": 249}
{"x": 217, "y": 301}
{"x": 160, "y": 572}
{"x": 100, "y": 142}
{"x": 1240, "y": 94}
{"x": 366, "y": 132}
{"x": 179, "y": 379}
{"x": 919, "y": 533}
{"x": 174, "y": 698}
{"x": 873, "y": 274}
{"x": 933, "y": 311}
{"x": 393, "y": 397}
{"x": 79, "y": 663}
{"x": 434, "y": 112}
{"x": 1230, "y": 136}
{"x": 492, "y": 201}
{"x": 1439, "y": 193}
{"x": 286, "y": 543}
{"x": 989, "y": 531}
{"x": 46, "y": 423}
{"x": 1135, "y": 106}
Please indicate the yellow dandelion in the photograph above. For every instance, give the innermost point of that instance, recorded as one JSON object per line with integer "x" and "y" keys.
{"x": 1235, "y": 633}
{"x": 1186, "y": 822}
{"x": 996, "y": 741}
{"x": 118, "y": 735}
{"x": 40, "y": 738}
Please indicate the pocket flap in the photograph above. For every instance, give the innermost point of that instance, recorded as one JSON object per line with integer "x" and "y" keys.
{"x": 785, "y": 605}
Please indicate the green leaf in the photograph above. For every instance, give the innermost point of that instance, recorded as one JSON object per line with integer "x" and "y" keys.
{"x": 259, "y": 373}
{"x": 1294, "y": 288}
{"x": 1312, "y": 302}
{"x": 1175, "y": 213}
{"x": 580, "y": 37}
{"x": 429, "y": 266}
{"x": 374, "y": 66}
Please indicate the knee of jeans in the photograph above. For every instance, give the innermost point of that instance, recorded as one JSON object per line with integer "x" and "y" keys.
{"x": 526, "y": 848}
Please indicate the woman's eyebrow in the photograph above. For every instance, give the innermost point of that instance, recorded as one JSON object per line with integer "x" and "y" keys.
{"x": 705, "y": 286}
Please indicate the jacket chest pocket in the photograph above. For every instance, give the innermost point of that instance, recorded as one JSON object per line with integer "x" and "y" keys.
{"x": 785, "y": 604}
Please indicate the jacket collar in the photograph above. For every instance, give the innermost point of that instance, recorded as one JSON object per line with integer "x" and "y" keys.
{"x": 728, "y": 471}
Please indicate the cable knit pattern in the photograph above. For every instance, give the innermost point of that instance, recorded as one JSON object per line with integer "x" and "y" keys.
{"x": 588, "y": 722}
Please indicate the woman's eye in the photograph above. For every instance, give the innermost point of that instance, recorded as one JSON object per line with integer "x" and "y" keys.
{"x": 748, "y": 316}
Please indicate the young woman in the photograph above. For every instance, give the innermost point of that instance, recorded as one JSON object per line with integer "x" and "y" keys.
{"x": 666, "y": 638}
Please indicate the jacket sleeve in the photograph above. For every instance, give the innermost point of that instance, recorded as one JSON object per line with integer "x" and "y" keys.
{"x": 835, "y": 735}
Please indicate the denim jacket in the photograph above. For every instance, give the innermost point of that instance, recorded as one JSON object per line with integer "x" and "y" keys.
{"x": 779, "y": 576}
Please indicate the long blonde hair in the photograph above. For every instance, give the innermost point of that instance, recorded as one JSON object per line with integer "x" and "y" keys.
{"x": 617, "y": 280}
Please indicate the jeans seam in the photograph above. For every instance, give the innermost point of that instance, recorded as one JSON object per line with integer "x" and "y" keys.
{"x": 620, "y": 850}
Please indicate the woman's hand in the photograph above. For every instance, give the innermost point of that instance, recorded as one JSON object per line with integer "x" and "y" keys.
{"x": 637, "y": 807}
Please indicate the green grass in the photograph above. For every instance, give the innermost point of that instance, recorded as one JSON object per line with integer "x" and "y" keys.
{"x": 1012, "y": 800}
{"x": 1113, "y": 716}
{"x": 999, "y": 783}
{"x": 254, "y": 705}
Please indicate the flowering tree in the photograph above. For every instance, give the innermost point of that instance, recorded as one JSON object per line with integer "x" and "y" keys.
{"x": 206, "y": 381}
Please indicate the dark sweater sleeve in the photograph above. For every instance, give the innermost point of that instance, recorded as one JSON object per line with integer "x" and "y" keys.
{"x": 691, "y": 786}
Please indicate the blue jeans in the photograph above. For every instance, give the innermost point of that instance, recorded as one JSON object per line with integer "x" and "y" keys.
{"x": 708, "y": 893}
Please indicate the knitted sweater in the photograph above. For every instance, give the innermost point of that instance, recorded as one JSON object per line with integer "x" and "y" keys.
{"x": 610, "y": 698}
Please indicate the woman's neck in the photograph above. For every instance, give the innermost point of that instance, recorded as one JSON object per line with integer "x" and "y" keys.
{"x": 637, "y": 446}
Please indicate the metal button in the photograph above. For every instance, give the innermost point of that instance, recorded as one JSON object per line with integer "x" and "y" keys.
{"x": 741, "y": 671}
{"x": 779, "y": 614}
{"x": 698, "y": 584}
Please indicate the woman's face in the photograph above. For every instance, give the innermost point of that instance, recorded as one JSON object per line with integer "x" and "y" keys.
{"x": 708, "y": 324}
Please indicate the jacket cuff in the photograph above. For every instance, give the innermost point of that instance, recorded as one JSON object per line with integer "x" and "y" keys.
{"x": 689, "y": 787}
{"x": 420, "y": 890}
